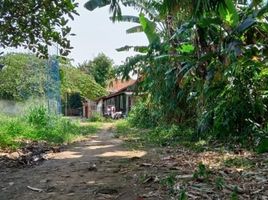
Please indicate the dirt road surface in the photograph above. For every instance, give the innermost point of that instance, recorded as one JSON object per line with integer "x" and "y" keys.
{"x": 97, "y": 169}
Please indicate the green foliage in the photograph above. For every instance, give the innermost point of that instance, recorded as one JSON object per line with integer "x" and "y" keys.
{"x": 38, "y": 125}
{"x": 228, "y": 12}
{"x": 262, "y": 147}
{"x": 202, "y": 172}
{"x": 122, "y": 128}
{"x": 23, "y": 76}
{"x": 164, "y": 135}
{"x": 36, "y": 24}
{"x": 96, "y": 117}
{"x": 182, "y": 195}
{"x": 205, "y": 66}
{"x": 75, "y": 101}
{"x": 75, "y": 81}
{"x": 228, "y": 115}
{"x": 219, "y": 181}
{"x": 149, "y": 29}
{"x": 142, "y": 116}
{"x": 169, "y": 182}
{"x": 38, "y": 116}
{"x": 238, "y": 162}
{"x": 100, "y": 68}
{"x": 234, "y": 194}
{"x": 169, "y": 135}
{"x": 12, "y": 128}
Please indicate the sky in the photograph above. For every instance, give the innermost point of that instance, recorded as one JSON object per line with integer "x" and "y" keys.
{"x": 96, "y": 33}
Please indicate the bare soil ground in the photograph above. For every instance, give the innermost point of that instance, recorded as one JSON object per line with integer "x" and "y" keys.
{"x": 98, "y": 168}
{"x": 102, "y": 168}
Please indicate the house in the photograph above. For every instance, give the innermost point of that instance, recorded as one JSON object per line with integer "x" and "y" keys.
{"x": 120, "y": 98}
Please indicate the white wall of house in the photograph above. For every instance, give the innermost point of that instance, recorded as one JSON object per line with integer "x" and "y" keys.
{"x": 99, "y": 107}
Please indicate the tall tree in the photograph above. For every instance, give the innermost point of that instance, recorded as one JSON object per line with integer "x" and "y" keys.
{"x": 23, "y": 76}
{"x": 100, "y": 68}
{"x": 36, "y": 24}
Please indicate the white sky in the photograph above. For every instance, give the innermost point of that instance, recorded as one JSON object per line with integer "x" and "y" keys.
{"x": 96, "y": 33}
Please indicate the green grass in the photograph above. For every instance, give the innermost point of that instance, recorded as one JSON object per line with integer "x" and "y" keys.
{"x": 239, "y": 162}
{"x": 43, "y": 127}
{"x": 160, "y": 136}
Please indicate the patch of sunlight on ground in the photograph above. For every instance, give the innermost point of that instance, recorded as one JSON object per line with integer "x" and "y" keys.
{"x": 218, "y": 160}
{"x": 66, "y": 155}
{"x": 100, "y": 147}
{"x": 124, "y": 154}
{"x": 91, "y": 182}
{"x": 96, "y": 141}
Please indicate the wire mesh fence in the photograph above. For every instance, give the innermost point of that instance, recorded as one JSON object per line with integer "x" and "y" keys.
{"x": 27, "y": 81}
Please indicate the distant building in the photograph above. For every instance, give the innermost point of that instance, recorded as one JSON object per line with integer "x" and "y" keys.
{"x": 120, "y": 98}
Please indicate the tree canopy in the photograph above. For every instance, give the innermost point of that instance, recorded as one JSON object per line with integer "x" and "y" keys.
{"x": 23, "y": 76}
{"x": 100, "y": 68}
{"x": 26, "y": 76}
{"x": 36, "y": 25}
{"x": 74, "y": 80}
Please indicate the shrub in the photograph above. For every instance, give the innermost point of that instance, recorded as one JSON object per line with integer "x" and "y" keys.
{"x": 38, "y": 116}
{"x": 236, "y": 106}
{"x": 143, "y": 116}
{"x": 96, "y": 117}
{"x": 11, "y": 130}
{"x": 168, "y": 135}
{"x": 122, "y": 127}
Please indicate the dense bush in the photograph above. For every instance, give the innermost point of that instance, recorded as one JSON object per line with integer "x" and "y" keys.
{"x": 207, "y": 68}
{"x": 236, "y": 106}
{"x": 143, "y": 116}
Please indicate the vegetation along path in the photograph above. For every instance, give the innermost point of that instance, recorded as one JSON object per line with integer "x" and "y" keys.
{"x": 101, "y": 167}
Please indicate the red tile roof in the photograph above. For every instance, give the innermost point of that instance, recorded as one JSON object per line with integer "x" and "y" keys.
{"x": 118, "y": 85}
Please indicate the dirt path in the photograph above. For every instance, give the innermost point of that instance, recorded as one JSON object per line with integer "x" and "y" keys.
{"x": 96, "y": 169}
{"x": 101, "y": 168}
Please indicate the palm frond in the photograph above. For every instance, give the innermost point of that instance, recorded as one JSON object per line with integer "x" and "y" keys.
{"x": 135, "y": 29}
{"x": 126, "y": 18}
{"x": 140, "y": 49}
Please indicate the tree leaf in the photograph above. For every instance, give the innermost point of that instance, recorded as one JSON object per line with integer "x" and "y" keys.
{"x": 140, "y": 49}
{"x": 228, "y": 13}
{"x": 247, "y": 23}
{"x": 126, "y": 18}
{"x": 149, "y": 28}
{"x": 135, "y": 29}
{"x": 93, "y": 4}
{"x": 186, "y": 48}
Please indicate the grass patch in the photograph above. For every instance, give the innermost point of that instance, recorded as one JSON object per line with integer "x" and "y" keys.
{"x": 166, "y": 135}
{"x": 38, "y": 125}
{"x": 160, "y": 136}
{"x": 238, "y": 162}
{"x": 97, "y": 117}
